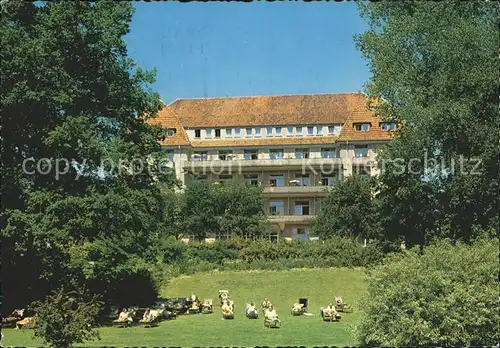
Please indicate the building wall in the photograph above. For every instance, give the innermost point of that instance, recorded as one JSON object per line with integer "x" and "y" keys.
{"x": 348, "y": 165}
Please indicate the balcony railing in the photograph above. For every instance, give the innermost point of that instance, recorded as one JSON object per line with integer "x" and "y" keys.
{"x": 296, "y": 189}
{"x": 253, "y": 163}
{"x": 290, "y": 218}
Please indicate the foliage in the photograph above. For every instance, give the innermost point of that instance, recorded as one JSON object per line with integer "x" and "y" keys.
{"x": 446, "y": 295}
{"x": 435, "y": 65}
{"x": 348, "y": 210}
{"x": 231, "y": 208}
{"x": 65, "y": 318}
{"x": 241, "y": 254}
{"x": 98, "y": 219}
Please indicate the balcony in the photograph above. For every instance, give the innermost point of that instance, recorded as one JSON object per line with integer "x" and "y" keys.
{"x": 364, "y": 161}
{"x": 296, "y": 189}
{"x": 290, "y": 218}
{"x": 237, "y": 164}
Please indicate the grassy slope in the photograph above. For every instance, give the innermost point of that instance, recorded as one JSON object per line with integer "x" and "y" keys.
{"x": 282, "y": 288}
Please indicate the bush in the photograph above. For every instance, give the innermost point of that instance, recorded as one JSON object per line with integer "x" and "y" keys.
{"x": 260, "y": 254}
{"x": 65, "y": 318}
{"x": 445, "y": 295}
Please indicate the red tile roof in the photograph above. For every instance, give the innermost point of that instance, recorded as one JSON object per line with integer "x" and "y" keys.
{"x": 359, "y": 113}
{"x": 321, "y": 109}
{"x": 166, "y": 118}
{"x": 262, "y": 110}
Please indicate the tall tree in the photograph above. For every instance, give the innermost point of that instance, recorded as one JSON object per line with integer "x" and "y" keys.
{"x": 72, "y": 98}
{"x": 230, "y": 209}
{"x": 435, "y": 64}
{"x": 348, "y": 210}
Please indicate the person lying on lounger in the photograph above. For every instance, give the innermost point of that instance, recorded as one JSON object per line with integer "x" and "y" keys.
{"x": 271, "y": 314}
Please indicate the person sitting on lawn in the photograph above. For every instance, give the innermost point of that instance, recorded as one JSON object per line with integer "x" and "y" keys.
{"x": 266, "y": 303}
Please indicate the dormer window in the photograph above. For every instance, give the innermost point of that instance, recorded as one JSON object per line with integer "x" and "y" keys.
{"x": 237, "y": 132}
{"x": 171, "y": 132}
{"x": 217, "y": 133}
{"x": 278, "y": 131}
{"x": 229, "y": 132}
{"x": 289, "y": 131}
{"x": 362, "y": 127}
{"x": 197, "y": 133}
{"x": 249, "y": 132}
{"x": 299, "y": 131}
{"x": 208, "y": 133}
{"x": 269, "y": 131}
{"x": 310, "y": 130}
{"x": 387, "y": 126}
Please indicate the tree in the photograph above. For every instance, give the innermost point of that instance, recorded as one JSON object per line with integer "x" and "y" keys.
{"x": 65, "y": 318}
{"x": 243, "y": 210}
{"x": 72, "y": 98}
{"x": 435, "y": 66}
{"x": 446, "y": 295}
{"x": 348, "y": 210}
{"x": 231, "y": 208}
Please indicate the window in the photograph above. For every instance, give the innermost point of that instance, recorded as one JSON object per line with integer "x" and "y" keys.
{"x": 331, "y": 130}
{"x": 269, "y": 131}
{"x": 251, "y": 154}
{"x": 200, "y": 177}
{"x": 237, "y": 132}
{"x": 277, "y": 180}
{"x": 200, "y": 156}
{"x": 329, "y": 152}
{"x": 257, "y": 132}
{"x": 171, "y": 132}
{"x": 224, "y": 178}
{"x": 319, "y": 130}
{"x": 299, "y": 131}
{"x": 301, "y": 208}
{"x": 229, "y": 132}
{"x": 276, "y": 208}
{"x": 361, "y": 151}
{"x": 328, "y": 180}
{"x": 197, "y": 133}
{"x": 170, "y": 155}
{"x": 208, "y": 133}
{"x": 217, "y": 133}
{"x": 302, "y": 179}
{"x": 299, "y": 233}
{"x": 301, "y": 153}
{"x": 388, "y": 126}
{"x": 289, "y": 131}
{"x": 278, "y": 131}
{"x": 362, "y": 127}
{"x": 252, "y": 179}
{"x": 249, "y": 132}
{"x": 276, "y": 154}
{"x": 225, "y": 155}
{"x": 310, "y": 130}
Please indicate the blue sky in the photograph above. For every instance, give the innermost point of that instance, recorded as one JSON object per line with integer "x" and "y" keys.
{"x": 238, "y": 49}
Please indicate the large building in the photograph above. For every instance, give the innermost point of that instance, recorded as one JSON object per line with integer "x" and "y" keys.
{"x": 296, "y": 146}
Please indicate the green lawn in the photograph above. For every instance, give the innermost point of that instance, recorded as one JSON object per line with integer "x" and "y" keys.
{"x": 282, "y": 288}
